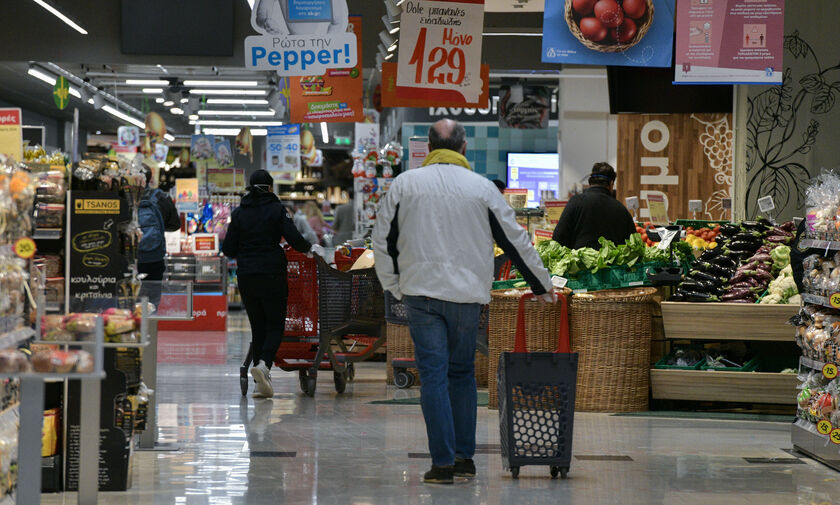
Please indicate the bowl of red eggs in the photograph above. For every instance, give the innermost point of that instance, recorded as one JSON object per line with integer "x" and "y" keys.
{"x": 609, "y": 26}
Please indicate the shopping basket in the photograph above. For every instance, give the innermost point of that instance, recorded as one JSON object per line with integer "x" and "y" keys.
{"x": 537, "y": 400}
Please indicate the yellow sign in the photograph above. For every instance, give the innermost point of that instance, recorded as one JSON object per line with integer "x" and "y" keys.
{"x": 221, "y": 179}
{"x": 554, "y": 209}
{"x": 541, "y": 236}
{"x": 11, "y": 140}
{"x": 658, "y": 210}
{"x": 834, "y": 436}
{"x": 61, "y": 92}
{"x": 834, "y": 300}
{"x": 824, "y": 427}
{"x": 97, "y": 206}
{"x": 25, "y": 248}
{"x": 829, "y": 371}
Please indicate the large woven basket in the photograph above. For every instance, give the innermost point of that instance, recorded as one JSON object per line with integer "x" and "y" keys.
{"x": 400, "y": 346}
{"x": 542, "y": 323}
{"x": 642, "y": 27}
{"x": 611, "y": 330}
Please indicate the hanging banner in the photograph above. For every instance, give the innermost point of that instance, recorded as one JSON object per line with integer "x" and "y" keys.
{"x": 128, "y": 136}
{"x": 367, "y": 132}
{"x": 300, "y": 37}
{"x": 161, "y": 151}
{"x": 221, "y": 179}
{"x": 524, "y": 107}
{"x": 201, "y": 147}
{"x": 334, "y": 96}
{"x": 635, "y": 33}
{"x": 61, "y": 92}
{"x": 224, "y": 156}
{"x": 155, "y": 127}
{"x": 186, "y": 195}
{"x": 729, "y": 41}
{"x": 418, "y": 149}
{"x": 440, "y": 48}
{"x": 283, "y": 145}
{"x": 400, "y": 96}
{"x": 11, "y": 133}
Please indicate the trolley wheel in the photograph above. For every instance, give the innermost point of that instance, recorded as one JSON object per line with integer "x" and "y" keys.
{"x": 403, "y": 379}
{"x": 564, "y": 472}
{"x": 555, "y": 471}
{"x": 243, "y": 380}
{"x": 308, "y": 382}
{"x": 514, "y": 471}
{"x": 340, "y": 382}
{"x": 351, "y": 372}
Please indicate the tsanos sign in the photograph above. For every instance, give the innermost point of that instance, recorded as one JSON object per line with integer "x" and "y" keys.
{"x": 300, "y": 37}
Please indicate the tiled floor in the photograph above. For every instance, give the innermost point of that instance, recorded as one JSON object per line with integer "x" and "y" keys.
{"x": 340, "y": 449}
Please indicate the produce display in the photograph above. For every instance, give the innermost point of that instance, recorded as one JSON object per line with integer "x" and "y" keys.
{"x": 37, "y": 154}
{"x": 823, "y": 215}
{"x": 818, "y": 333}
{"x": 821, "y": 274}
{"x": 702, "y": 238}
{"x": 740, "y": 268}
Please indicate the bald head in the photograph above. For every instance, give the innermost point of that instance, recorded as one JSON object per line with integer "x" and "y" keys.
{"x": 448, "y": 134}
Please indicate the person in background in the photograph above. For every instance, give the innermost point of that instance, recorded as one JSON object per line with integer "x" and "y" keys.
{"x": 316, "y": 219}
{"x": 595, "y": 213}
{"x": 433, "y": 249}
{"x": 301, "y": 223}
{"x": 501, "y": 185}
{"x": 257, "y": 228}
{"x": 344, "y": 223}
{"x": 156, "y": 214}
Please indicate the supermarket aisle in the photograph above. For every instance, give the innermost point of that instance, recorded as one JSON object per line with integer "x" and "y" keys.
{"x": 340, "y": 449}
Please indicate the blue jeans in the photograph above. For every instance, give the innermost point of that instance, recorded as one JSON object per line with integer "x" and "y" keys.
{"x": 444, "y": 336}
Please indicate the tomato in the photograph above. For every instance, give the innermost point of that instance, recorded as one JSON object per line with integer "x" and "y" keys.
{"x": 644, "y": 237}
{"x": 648, "y": 224}
{"x": 717, "y": 229}
{"x": 634, "y": 8}
{"x": 592, "y": 29}
{"x": 689, "y": 229}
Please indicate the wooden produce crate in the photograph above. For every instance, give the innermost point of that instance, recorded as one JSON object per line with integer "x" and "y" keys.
{"x": 718, "y": 386}
{"x": 728, "y": 321}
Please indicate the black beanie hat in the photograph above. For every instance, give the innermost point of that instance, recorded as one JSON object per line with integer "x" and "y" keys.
{"x": 261, "y": 178}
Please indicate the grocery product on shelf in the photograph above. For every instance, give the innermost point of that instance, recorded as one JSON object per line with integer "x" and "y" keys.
{"x": 823, "y": 215}
{"x": 702, "y": 238}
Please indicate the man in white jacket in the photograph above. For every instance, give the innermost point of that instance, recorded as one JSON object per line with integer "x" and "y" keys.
{"x": 433, "y": 246}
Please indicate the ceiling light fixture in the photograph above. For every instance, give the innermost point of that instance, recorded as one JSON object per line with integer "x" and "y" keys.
{"x": 185, "y": 100}
{"x": 125, "y": 117}
{"x": 57, "y": 13}
{"x": 146, "y": 82}
{"x": 250, "y": 92}
{"x": 168, "y": 103}
{"x": 235, "y": 101}
{"x": 236, "y": 112}
{"x": 221, "y": 83}
{"x": 159, "y": 100}
{"x": 176, "y": 110}
{"x": 169, "y": 137}
{"x": 220, "y": 122}
{"x": 152, "y": 91}
{"x": 47, "y": 78}
{"x": 193, "y": 117}
{"x": 256, "y": 132}
{"x": 325, "y": 135}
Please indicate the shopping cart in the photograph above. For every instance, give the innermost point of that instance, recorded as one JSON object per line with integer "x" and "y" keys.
{"x": 537, "y": 400}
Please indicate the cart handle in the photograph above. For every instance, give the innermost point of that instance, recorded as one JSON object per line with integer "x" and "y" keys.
{"x": 563, "y": 345}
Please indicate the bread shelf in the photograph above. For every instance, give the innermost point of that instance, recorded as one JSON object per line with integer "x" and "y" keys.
{"x": 718, "y": 386}
{"x": 728, "y": 321}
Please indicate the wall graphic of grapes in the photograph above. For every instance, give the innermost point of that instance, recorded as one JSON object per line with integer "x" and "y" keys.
{"x": 716, "y": 139}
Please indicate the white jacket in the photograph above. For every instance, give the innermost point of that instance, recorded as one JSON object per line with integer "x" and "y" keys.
{"x": 434, "y": 236}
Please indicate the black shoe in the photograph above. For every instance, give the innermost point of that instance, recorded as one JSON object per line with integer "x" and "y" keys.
{"x": 464, "y": 468}
{"x": 440, "y": 475}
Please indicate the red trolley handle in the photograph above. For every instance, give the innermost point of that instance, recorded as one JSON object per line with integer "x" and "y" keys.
{"x": 563, "y": 345}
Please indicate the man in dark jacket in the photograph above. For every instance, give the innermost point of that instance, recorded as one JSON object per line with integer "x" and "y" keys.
{"x": 257, "y": 228}
{"x": 595, "y": 213}
{"x": 154, "y": 222}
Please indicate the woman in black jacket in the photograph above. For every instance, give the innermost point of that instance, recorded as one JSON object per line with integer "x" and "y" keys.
{"x": 253, "y": 237}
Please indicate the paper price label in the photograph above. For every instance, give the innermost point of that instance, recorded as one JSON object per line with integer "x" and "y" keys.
{"x": 834, "y": 436}
{"x": 824, "y": 427}
{"x": 25, "y": 248}
{"x": 834, "y": 300}
{"x": 765, "y": 204}
{"x": 829, "y": 371}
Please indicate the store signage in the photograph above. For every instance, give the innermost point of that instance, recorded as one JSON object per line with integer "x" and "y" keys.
{"x": 283, "y": 146}
{"x": 542, "y": 235}
{"x": 440, "y": 47}
{"x": 729, "y": 41}
{"x": 418, "y": 149}
{"x": 394, "y": 95}
{"x": 205, "y": 243}
{"x": 61, "y": 92}
{"x": 367, "y": 132}
{"x": 524, "y": 107}
{"x": 765, "y": 204}
{"x": 554, "y": 209}
{"x": 637, "y": 36}
{"x": 128, "y": 136}
{"x": 224, "y": 155}
{"x": 331, "y": 96}
{"x": 202, "y": 147}
{"x": 186, "y": 195}
{"x": 657, "y": 208}
{"x": 11, "y": 133}
{"x": 161, "y": 152}
{"x": 94, "y": 249}
{"x": 25, "y": 248}
{"x": 301, "y": 37}
{"x": 834, "y": 436}
{"x": 834, "y": 300}
{"x": 824, "y": 427}
{"x": 517, "y": 197}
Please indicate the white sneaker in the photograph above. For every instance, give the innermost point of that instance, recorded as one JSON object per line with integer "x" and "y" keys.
{"x": 262, "y": 376}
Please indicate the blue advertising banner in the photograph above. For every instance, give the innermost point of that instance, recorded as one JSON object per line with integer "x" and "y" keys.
{"x": 310, "y": 10}
{"x": 283, "y": 152}
{"x": 637, "y": 33}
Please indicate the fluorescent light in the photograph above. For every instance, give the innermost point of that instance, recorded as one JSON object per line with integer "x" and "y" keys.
{"x": 253, "y": 92}
{"x": 256, "y": 132}
{"x": 221, "y": 83}
{"x": 162, "y": 68}
{"x": 221, "y": 122}
{"x": 169, "y": 137}
{"x": 47, "y": 78}
{"x": 325, "y": 135}
{"x": 55, "y": 12}
{"x": 176, "y": 110}
{"x": 75, "y": 92}
{"x": 168, "y": 103}
{"x": 159, "y": 100}
{"x": 251, "y": 4}
{"x": 125, "y": 117}
{"x": 236, "y": 112}
{"x": 390, "y": 55}
{"x": 193, "y": 118}
{"x": 146, "y": 82}
{"x": 235, "y": 101}
{"x": 185, "y": 100}
{"x": 90, "y": 101}
{"x": 152, "y": 91}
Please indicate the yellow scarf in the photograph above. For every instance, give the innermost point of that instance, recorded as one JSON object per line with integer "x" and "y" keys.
{"x": 446, "y": 156}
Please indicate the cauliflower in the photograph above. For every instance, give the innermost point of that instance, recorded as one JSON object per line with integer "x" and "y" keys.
{"x": 795, "y": 300}
{"x": 784, "y": 284}
{"x": 773, "y": 298}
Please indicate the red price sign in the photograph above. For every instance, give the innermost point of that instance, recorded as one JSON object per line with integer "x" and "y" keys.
{"x": 446, "y": 65}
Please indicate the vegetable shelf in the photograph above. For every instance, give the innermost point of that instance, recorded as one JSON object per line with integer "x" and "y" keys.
{"x": 728, "y": 321}
{"x": 718, "y": 386}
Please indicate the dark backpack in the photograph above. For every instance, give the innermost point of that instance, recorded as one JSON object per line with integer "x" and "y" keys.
{"x": 153, "y": 244}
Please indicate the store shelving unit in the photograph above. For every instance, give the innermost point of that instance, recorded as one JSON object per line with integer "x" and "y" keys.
{"x": 725, "y": 322}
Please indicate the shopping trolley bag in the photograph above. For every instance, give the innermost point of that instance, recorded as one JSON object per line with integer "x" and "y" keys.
{"x": 537, "y": 400}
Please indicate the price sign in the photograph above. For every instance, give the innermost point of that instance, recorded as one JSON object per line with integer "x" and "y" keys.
{"x": 834, "y": 300}
{"x": 25, "y": 248}
{"x": 765, "y": 204}
{"x": 834, "y": 436}
{"x": 440, "y": 46}
{"x": 829, "y": 371}
{"x": 824, "y": 427}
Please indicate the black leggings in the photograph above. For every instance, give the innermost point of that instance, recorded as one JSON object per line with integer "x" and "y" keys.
{"x": 264, "y": 297}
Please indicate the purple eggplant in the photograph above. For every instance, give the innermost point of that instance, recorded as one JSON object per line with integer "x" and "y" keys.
{"x": 742, "y": 300}
{"x": 736, "y": 294}
{"x": 779, "y": 239}
{"x": 761, "y": 257}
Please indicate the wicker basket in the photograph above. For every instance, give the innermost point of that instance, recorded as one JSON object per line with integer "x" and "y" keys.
{"x": 400, "y": 346}
{"x": 611, "y": 330}
{"x": 542, "y": 322}
{"x": 643, "y": 25}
